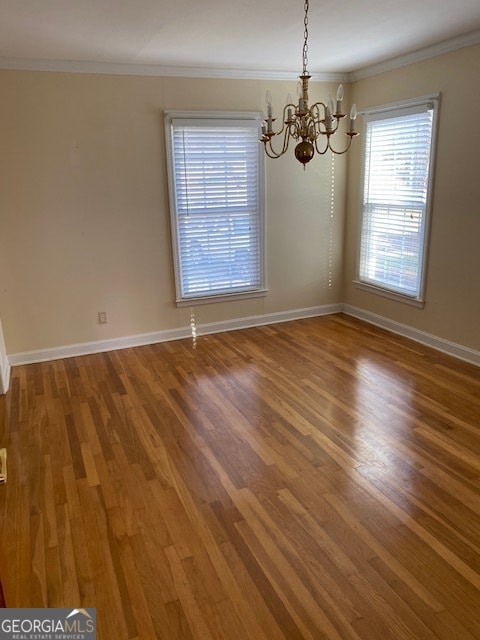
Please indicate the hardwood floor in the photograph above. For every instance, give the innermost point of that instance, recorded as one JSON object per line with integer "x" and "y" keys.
{"x": 315, "y": 479}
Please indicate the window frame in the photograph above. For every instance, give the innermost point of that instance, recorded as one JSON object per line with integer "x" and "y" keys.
{"x": 202, "y": 118}
{"x": 372, "y": 114}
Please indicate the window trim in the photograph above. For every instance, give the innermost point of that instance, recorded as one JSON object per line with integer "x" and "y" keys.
{"x": 375, "y": 113}
{"x": 228, "y": 116}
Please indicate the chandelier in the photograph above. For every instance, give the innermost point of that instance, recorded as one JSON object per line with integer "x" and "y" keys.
{"x": 311, "y": 127}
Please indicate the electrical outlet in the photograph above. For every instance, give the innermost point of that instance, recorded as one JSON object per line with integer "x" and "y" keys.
{"x": 102, "y": 317}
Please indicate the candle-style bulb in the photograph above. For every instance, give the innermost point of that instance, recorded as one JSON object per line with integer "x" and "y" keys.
{"x": 329, "y": 113}
{"x": 299, "y": 90}
{"x": 339, "y": 99}
{"x": 290, "y": 108}
{"x": 330, "y": 103}
{"x": 268, "y": 100}
{"x": 353, "y": 117}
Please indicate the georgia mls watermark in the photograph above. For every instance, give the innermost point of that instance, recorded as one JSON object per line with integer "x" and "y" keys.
{"x": 48, "y": 624}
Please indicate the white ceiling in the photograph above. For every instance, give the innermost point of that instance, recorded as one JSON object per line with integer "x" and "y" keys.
{"x": 246, "y": 35}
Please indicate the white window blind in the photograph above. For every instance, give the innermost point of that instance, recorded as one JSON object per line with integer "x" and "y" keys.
{"x": 216, "y": 206}
{"x": 398, "y": 152}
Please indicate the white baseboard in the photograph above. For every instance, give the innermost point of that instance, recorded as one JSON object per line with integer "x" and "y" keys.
{"x": 85, "y": 348}
{"x": 4, "y": 375}
{"x": 428, "y": 339}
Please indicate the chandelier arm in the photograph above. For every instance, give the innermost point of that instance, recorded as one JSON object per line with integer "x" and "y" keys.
{"x": 280, "y": 131}
{"x": 327, "y": 146}
{"x": 318, "y": 129}
{"x": 285, "y": 121}
{"x": 335, "y": 128}
{"x": 270, "y": 151}
{"x": 317, "y": 106}
{"x": 285, "y": 117}
{"x": 291, "y": 132}
{"x": 286, "y": 139}
{"x": 315, "y": 111}
{"x": 339, "y": 153}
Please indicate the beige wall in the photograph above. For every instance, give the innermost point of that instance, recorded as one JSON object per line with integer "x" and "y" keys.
{"x": 85, "y": 220}
{"x": 452, "y": 309}
{"x": 84, "y": 206}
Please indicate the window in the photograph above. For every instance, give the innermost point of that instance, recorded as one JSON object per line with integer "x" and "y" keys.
{"x": 216, "y": 182}
{"x": 396, "y": 196}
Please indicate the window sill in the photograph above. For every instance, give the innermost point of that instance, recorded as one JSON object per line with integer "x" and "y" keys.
{"x": 221, "y": 297}
{"x": 392, "y": 295}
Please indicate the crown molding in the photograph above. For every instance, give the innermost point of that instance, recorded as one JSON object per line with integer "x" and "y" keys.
{"x": 432, "y": 51}
{"x": 113, "y": 68}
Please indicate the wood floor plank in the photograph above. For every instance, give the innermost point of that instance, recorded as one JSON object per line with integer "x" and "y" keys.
{"x": 317, "y": 479}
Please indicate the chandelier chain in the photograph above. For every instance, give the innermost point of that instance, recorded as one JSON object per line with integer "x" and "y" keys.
{"x": 305, "y": 35}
